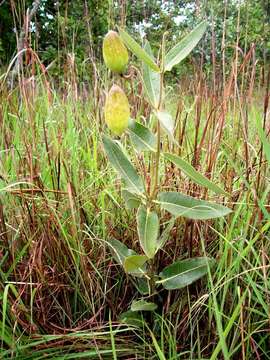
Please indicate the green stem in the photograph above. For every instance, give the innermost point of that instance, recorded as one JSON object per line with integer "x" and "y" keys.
{"x": 152, "y": 275}
{"x": 156, "y": 169}
{"x": 157, "y": 157}
{"x": 159, "y": 107}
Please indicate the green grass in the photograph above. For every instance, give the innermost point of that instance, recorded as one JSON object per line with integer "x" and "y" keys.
{"x": 60, "y": 290}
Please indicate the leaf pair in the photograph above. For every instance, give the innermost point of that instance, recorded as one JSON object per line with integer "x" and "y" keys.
{"x": 179, "y": 52}
{"x": 176, "y": 203}
{"x": 175, "y": 276}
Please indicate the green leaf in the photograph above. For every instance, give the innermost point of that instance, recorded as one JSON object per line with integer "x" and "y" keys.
{"x": 165, "y": 234}
{"x": 142, "y": 138}
{"x": 193, "y": 174}
{"x": 142, "y": 285}
{"x": 122, "y": 164}
{"x": 138, "y": 50}
{"x": 132, "y": 318}
{"x": 142, "y": 305}
{"x": 120, "y": 251}
{"x": 148, "y": 228}
{"x": 166, "y": 122}
{"x": 135, "y": 264}
{"x": 184, "y": 47}
{"x": 132, "y": 201}
{"x": 185, "y": 272}
{"x": 183, "y": 205}
{"x": 151, "y": 80}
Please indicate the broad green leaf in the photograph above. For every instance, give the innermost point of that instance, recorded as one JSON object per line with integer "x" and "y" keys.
{"x": 132, "y": 318}
{"x": 132, "y": 201}
{"x": 135, "y": 264}
{"x": 165, "y": 234}
{"x": 166, "y": 122}
{"x": 148, "y": 228}
{"x": 138, "y": 50}
{"x": 184, "y": 47}
{"x": 183, "y": 205}
{"x": 142, "y": 138}
{"x": 193, "y": 174}
{"x": 122, "y": 164}
{"x": 142, "y": 285}
{"x": 120, "y": 251}
{"x": 151, "y": 80}
{"x": 142, "y": 305}
{"x": 185, "y": 272}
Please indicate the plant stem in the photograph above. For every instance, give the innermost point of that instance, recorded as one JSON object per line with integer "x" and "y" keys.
{"x": 159, "y": 107}
{"x": 156, "y": 169}
{"x": 151, "y": 281}
{"x": 157, "y": 157}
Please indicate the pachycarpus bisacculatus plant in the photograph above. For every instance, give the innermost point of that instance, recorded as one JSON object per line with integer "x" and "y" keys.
{"x": 152, "y": 202}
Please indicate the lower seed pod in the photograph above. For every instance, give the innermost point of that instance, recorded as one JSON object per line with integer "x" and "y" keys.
{"x": 117, "y": 112}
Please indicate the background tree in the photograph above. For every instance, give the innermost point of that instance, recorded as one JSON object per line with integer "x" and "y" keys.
{"x": 74, "y": 27}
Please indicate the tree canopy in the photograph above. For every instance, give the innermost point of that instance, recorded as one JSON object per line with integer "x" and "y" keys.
{"x": 61, "y": 27}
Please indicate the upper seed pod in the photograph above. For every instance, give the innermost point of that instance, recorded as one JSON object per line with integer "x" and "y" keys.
{"x": 114, "y": 52}
{"x": 117, "y": 112}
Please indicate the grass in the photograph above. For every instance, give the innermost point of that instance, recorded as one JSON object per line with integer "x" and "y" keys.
{"x": 60, "y": 290}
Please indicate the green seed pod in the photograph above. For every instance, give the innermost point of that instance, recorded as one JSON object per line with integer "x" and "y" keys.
{"x": 114, "y": 52}
{"x": 117, "y": 112}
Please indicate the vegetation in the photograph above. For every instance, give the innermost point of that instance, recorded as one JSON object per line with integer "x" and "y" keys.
{"x": 72, "y": 240}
